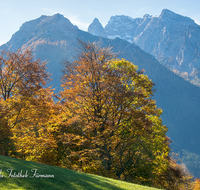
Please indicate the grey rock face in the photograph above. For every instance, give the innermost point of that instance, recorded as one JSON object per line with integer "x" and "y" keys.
{"x": 96, "y": 28}
{"x": 174, "y": 40}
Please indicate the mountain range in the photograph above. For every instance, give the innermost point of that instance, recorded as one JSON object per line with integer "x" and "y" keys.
{"x": 174, "y": 40}
{"x": 54, "y": 38}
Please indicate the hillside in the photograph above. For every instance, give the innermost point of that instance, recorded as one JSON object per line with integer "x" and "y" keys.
{"x": 57, "y": 179}
{"x": 54, "y": 38}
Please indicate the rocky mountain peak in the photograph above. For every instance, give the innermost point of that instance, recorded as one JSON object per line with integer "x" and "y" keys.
{"x": 96, "y": 28}
{"x": 167, "y": 13}
{"x": 119, "y": 19}
{"x": 96, "y": 21}
{"x": 171, "y": 38}
{"x": 147, "y": 16}
{"x": 57, "y": 21}
{"x": 173, "y": 17}
{"x": 50, "y": 27}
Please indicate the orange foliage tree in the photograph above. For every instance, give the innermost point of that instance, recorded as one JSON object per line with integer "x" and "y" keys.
{"x": 197, "y": 184}
{"x": 26, "y": 106}
{"x": 176, "y": 177}
{"x": 111, "y": 125}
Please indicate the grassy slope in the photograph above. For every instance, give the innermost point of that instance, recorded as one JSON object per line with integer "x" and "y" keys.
{"x": 63, "y": 179}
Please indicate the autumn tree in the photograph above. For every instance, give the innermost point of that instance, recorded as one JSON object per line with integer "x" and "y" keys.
{"x": 20, "y": 74}
{"x": 26, "y": 105}
{"x": 176, "y": 177}
{"x": 197, "y": 184}
{"x": 111, "y": 125}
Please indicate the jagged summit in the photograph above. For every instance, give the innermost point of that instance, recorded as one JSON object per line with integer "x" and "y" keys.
{"x": 56, "y": 19}
{"x": 171, "y": 38}
{"x": 147, "y": 16}
{"x": 96, "y": 28}
{"x": 51, "y": 27}
{"x": 56, "y": 22}
{"x": 96, "y": 21}
{"x": 167, "y": 14}
{"x": 119, "y": 18}
{"x": 58, "y": 15}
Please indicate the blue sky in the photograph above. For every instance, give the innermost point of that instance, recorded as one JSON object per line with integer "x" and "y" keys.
{"x": 13, "y": 13}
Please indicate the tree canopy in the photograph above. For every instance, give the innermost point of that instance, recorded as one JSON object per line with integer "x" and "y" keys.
{"x": 20, "y": 74}
{"x": 112, "y": 125}
{"x": 26, "y": 105}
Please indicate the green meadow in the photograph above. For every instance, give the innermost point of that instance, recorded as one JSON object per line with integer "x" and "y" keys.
{"x": 20, "y": 174}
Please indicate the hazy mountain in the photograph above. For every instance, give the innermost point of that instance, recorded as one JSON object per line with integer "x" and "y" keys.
{"x": 174, "y": 40}
{"x": 97, "y": 29}
{"x": 54, "y": 38}
{"x": 51, "y": 38}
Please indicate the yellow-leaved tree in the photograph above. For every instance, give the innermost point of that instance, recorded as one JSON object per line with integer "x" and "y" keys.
{"x": 111, "y": 125}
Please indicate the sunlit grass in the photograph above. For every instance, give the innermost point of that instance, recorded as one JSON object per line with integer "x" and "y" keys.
{"x": 63, "y": 179}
